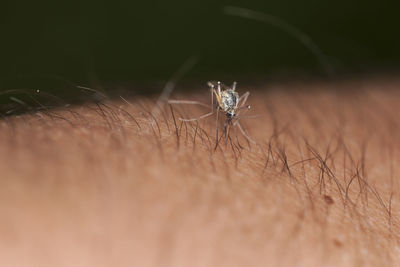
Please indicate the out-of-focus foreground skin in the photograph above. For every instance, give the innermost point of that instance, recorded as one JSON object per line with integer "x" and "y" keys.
{"x": 110, "y": 185}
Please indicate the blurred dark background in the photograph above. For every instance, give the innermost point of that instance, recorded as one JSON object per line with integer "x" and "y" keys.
{"x": 55, "y": 44}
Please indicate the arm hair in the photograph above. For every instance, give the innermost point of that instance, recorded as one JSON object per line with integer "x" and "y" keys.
{"x": 109, "y": 184}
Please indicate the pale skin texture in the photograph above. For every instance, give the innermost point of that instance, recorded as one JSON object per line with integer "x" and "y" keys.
{"x": 90, "y": 186}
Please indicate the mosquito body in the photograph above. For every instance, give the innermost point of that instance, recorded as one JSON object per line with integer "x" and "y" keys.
{"x": 227, "y": 99}
{"x": 228, "y": 102}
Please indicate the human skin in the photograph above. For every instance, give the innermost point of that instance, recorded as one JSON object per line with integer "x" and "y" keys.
{"x": 109, "y": 184}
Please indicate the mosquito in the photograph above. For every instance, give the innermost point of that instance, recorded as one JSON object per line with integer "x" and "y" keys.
{"x": 229, "y": 102}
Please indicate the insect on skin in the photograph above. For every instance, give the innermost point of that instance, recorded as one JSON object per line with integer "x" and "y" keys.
{"x": 228, "y": 101}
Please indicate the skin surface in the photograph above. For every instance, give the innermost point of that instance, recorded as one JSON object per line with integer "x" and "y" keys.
{"x": 110, "y": 185}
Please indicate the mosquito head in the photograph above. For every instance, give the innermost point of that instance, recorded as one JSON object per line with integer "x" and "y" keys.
{"x": 230, "y": 116}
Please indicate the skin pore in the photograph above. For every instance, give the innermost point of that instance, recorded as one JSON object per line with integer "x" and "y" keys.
{"x": 110, "y": 184}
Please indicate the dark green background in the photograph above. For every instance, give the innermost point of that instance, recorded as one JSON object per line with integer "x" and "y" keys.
{"x": 97, "y": 42}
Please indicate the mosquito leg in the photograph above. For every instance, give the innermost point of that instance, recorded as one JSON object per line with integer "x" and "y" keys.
{"x": 244, "y": 97}
{"x": 238, "y": 117}
{"x": 234, "y": 85}
{"x": 188, "y": 102}
{"x": 199, "y": 118}
{"x": 226, "y": 133}
{"x": 212, "y": 98}
{"x": 244, "y": 133}
{"x": 243, "y": 107}
{"x": 249, "y": 116}
{"x": 237, "y": 138}
{"x": 216, "y": 129}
